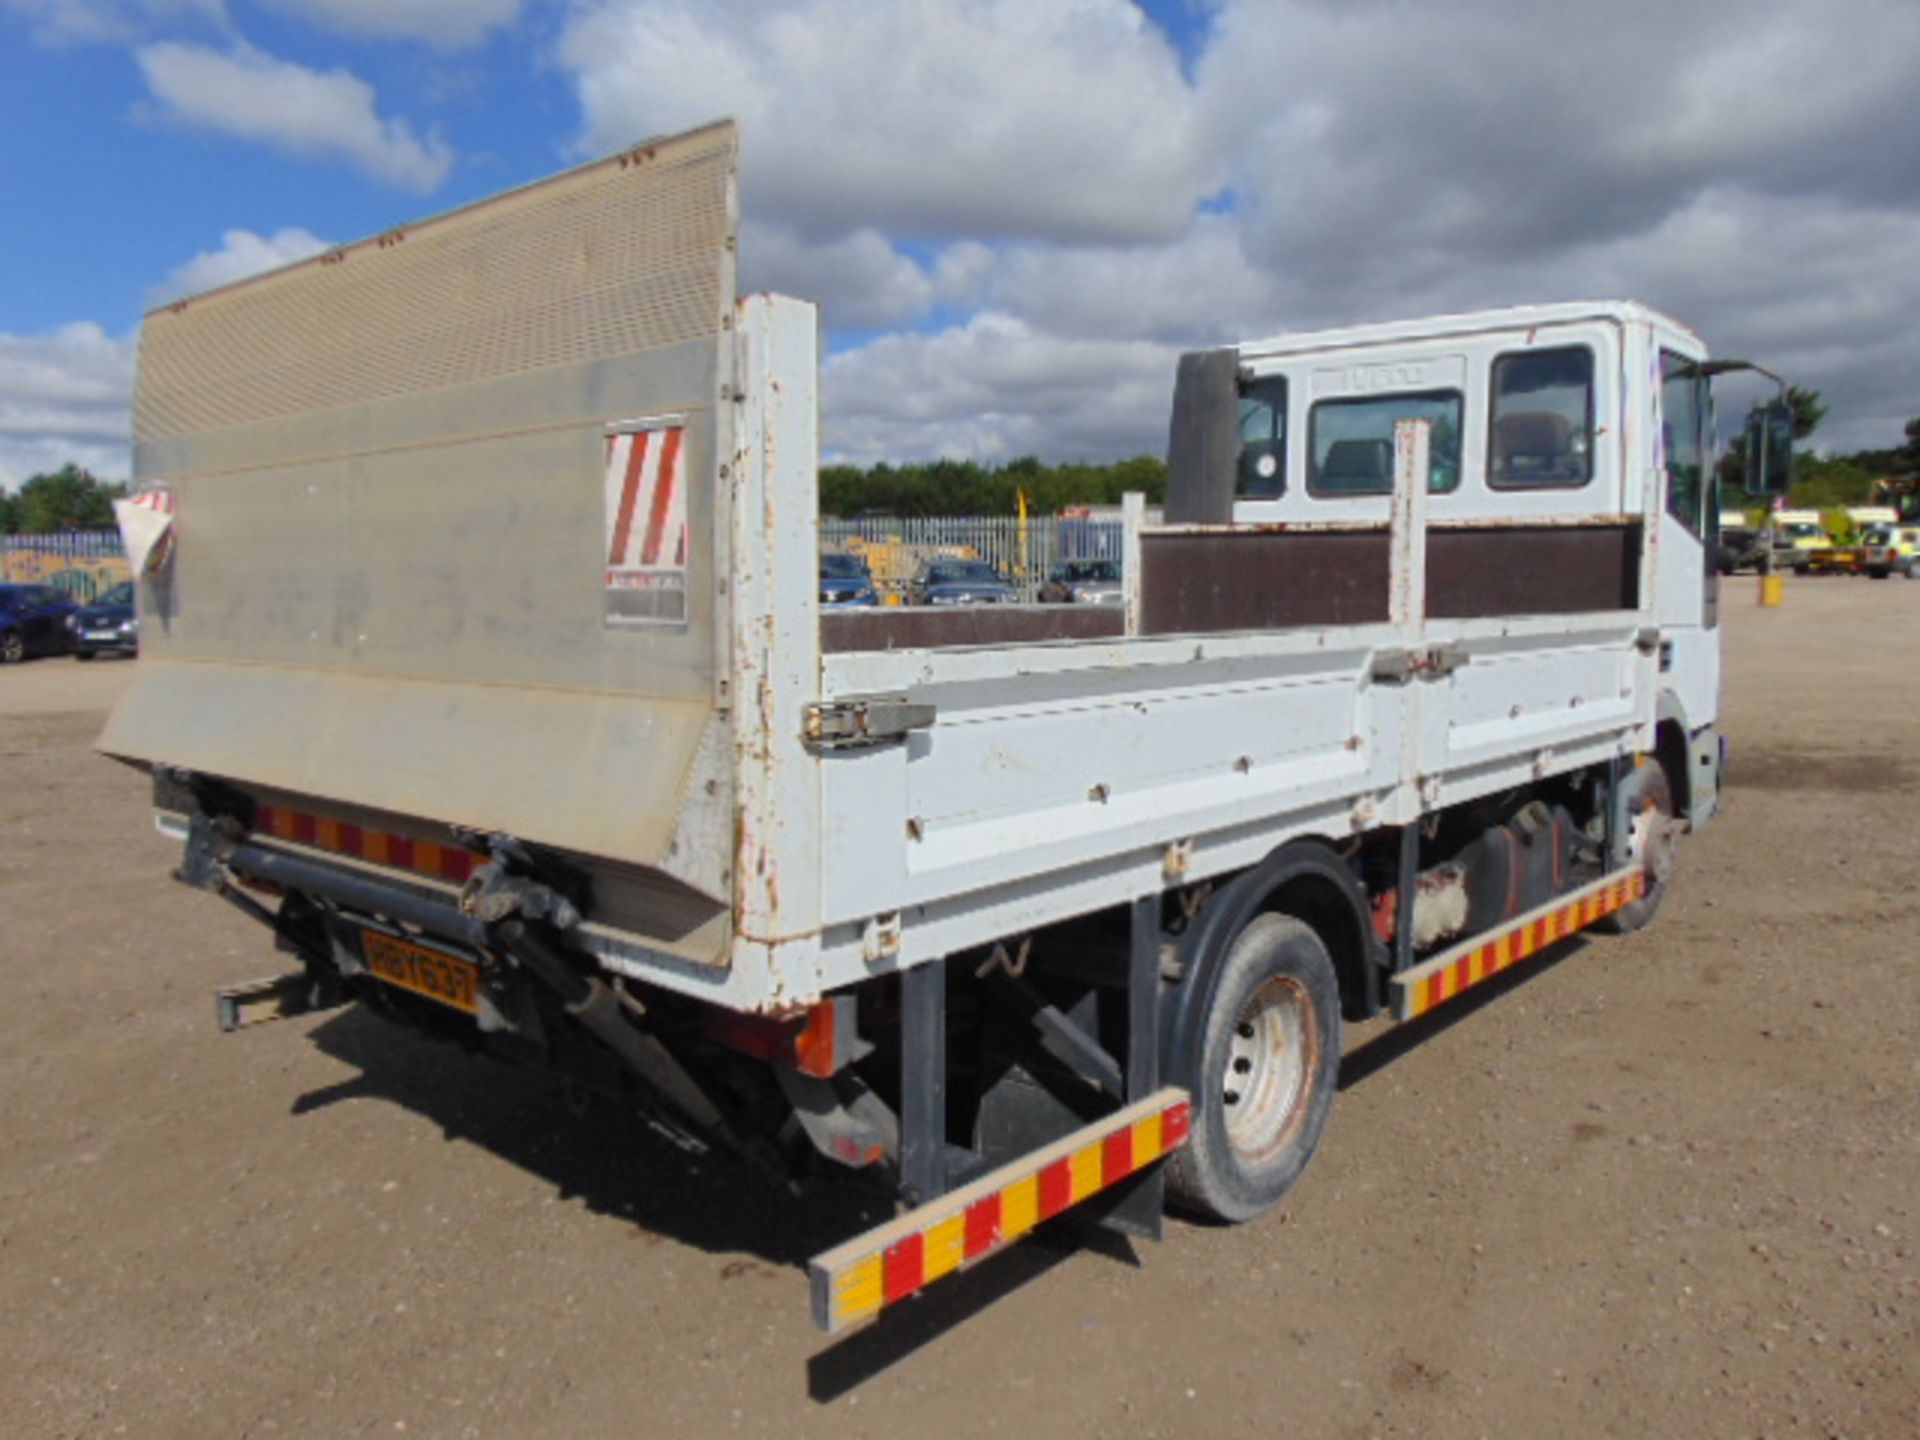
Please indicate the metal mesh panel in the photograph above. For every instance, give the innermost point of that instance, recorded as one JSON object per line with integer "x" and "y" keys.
{"x": 615, "y": 258}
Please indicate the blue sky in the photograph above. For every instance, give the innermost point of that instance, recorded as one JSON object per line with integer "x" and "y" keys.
{"x": 1014, "y": 212}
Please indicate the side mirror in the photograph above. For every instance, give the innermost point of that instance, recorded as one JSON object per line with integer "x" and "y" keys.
{"x": 1769, "y": 449}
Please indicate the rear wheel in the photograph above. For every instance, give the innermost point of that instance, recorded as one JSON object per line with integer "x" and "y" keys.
{"x": 1652, "y": 842}
{"x": 1263, "y": 1060}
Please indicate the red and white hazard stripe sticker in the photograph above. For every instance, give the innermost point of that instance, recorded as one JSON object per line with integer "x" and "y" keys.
{"x": 646, "y": 503}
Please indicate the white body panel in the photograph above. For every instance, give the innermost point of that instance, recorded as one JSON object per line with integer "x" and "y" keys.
{"x": 1065, "y": 777}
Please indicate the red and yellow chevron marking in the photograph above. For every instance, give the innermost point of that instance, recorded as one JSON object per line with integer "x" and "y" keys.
{"x": 1464, "y": 966}
{"x": 424, "y": 857}
{"x": 855, "y": 1281}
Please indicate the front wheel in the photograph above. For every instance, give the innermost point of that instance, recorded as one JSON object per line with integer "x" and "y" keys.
{"x": 1652, "y": 842}
{"x": 13, "y": 647}
{"x": 1262, "y": 1063}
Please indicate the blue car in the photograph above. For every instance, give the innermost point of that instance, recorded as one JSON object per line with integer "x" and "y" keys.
{"x": 33, "y": 621}
{"x": 961, "y": 582}
{"x": 845, "y": 580}
{"x": 108, "y": 626}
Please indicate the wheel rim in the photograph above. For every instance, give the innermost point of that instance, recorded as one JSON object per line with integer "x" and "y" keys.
{"x": 1650, "y": 842}
{"x": 1271, "y": 1058}
{"x": 12, "y": 648}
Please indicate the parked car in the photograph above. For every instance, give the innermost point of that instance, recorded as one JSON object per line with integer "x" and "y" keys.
{"x": 1741, "y": 548}
{"x": 845, "y": 580}
{"x": 960, "y": 582}
{"x": 1083, "y": 582}
{"x": 33, "y": 621}
{"x": 1842, "y": 557}
{"x": 1794, "y": 542}
{"x": 106, "y": 627}
{"x": 1892, "y": 550}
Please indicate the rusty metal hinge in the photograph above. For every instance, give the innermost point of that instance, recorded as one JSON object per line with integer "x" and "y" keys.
{"x": 869, "y": 720}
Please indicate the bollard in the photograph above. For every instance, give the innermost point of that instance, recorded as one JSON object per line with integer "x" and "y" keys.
{"x": 1773, "y": 588}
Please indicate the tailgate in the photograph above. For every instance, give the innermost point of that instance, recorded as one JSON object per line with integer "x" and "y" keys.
{"x": 446, "y": 518}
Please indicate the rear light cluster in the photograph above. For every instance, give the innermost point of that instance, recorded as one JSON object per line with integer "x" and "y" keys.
{"x": 818, "y": 1041}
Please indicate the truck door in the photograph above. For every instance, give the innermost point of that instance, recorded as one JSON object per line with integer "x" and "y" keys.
{"x": 1685, "y": 585}
{"x": 1533, "y": 589}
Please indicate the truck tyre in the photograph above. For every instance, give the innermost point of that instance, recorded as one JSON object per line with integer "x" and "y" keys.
{"x": 1264, "y": 1061}
{"x": 1877, "y": 573}
{"x": 1646, "y": 803}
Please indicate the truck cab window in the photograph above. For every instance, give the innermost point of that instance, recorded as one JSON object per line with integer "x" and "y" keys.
{"x": 1683, "y": 415}
{"x": 1351, "y": 442}
{"x": 1263, "y": 439}
{"x": 1542, "y": 419}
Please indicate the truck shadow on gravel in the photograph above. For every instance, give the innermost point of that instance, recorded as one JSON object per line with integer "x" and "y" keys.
{"x": 617, "y": 1165}
{"x": 613, "y": 1162}
{"x": 1367, "y": 1059}
{"x": 606, "y": 1157}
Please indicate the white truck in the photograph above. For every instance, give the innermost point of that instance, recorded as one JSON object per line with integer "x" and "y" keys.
{"x": 483, "y": 664}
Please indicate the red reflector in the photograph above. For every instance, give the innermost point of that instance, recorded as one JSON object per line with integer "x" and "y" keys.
{"x": 983, "y": 1225}
{"x": 1116, "y": 1156}
{"x": 455, "y": 864}
{"x": 400, "y": 851}
{"x": 1056, "y": 1188}
{"x": 305, "y": 827}
{"x": 815, "y": 1051}
{"x": 1174, "y": 1124}
{"x": 353, "y": 840}
{"x": 905, "y": 1268}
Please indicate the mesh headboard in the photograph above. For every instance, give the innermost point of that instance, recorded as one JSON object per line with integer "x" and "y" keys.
{"x": 614, "y": 258}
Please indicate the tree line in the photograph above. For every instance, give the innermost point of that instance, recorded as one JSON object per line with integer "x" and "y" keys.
{"x": 965, "y": 487}
{"x": 69, "y": 498}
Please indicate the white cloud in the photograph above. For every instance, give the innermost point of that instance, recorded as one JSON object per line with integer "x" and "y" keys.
{"x": 241, "y": 254}
{"x": 64, "y": 396}
{"x": 1059, "y": 118}
{"x": 993, "y": 389}
{"x": 859, "y": 281}
{"x": 250, "y": 94}
{"x": 72, "y": 22}
{"x": 1197, "y": 288}
{"x": 1365, "y": 161}
{"x": 449, "y": 24}
{"x": 1759, "y": 180}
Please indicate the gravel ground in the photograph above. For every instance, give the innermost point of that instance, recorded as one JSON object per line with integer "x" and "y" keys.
{"x": 1666, "y": 1185}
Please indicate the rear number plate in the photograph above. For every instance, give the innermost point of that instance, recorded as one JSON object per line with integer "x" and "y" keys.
{"x": 446, "y": 978}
